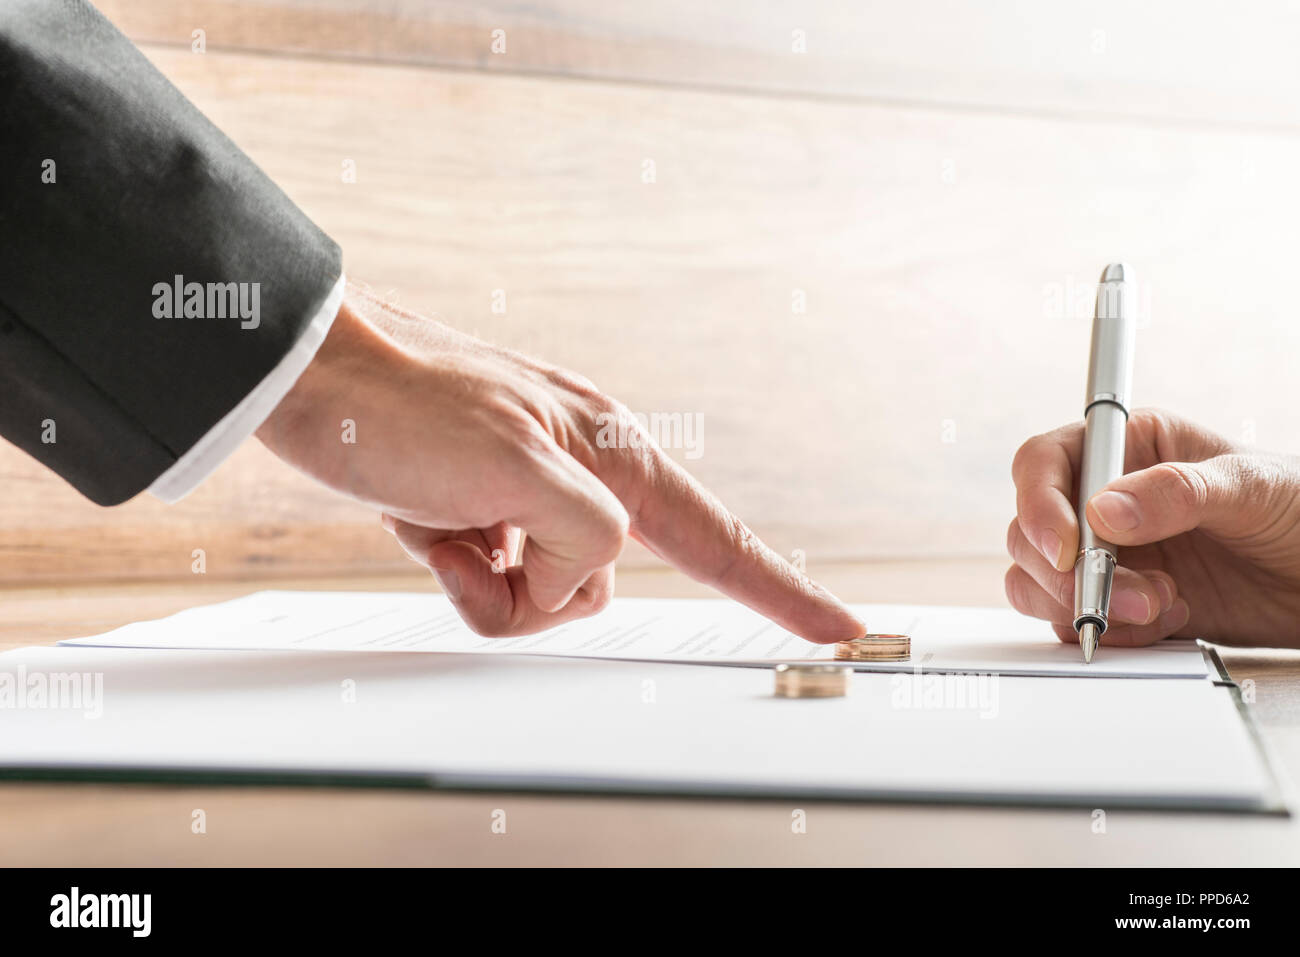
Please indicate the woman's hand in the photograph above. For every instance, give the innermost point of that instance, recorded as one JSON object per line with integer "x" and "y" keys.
{"x": 1209, "y": 536}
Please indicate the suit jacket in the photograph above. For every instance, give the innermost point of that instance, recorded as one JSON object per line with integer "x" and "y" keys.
{"x": 112, "y": 185}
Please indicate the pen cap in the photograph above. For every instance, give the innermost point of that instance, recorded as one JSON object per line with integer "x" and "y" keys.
{"x": 1110, "y": 369}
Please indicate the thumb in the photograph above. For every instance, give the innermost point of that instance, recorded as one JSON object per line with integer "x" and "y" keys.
{"x": 1222, "y": 495}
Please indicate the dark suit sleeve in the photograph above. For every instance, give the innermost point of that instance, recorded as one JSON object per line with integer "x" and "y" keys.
{"x": 144, "y": 189}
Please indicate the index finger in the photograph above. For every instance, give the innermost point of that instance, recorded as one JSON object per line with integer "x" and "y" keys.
{"x": 686, "y": 525}
{"x": 1043, "y": 471}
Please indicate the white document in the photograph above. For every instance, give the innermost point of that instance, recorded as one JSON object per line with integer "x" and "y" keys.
{"x": 507, "y": 721}
{"x": 944, "y": 639}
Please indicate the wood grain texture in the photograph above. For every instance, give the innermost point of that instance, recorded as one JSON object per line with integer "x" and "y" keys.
{"x": 944, "y": 258}
{"x": 138, "y": 825}
{"x": 85, "y": 825}
{"x": 1162, "y": 59}
{"x": 253, "y": 517}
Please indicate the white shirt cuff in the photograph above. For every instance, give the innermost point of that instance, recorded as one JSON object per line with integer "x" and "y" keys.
{"x": 243, "y": 420}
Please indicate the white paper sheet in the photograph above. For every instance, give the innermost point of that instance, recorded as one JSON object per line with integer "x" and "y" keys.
{"x": 704, "y": 631}
{"x": 553, "y": 723}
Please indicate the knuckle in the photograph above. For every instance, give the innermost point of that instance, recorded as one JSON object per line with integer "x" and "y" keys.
{"x": 574, "y": 383}
{"x": 509, "y": 420}
{"x": 1145, "y": 427}
{"x": 1025, "y": 453}
{"x": 599, "y": 594}
{"x": 617, "y": 425}
{"x": 484, "y": 627}
{"x": 609, "y": 545}
{"x": 1013, "y": 583}
{"x": 523, "y": 442}
{"x": 742, "y": 538}
{"x": 604, "y": 408}
{"x": 1174, "y": 437}
{"x": 599, "y": 602}
{"x": 1182, "y": 487}
{"x": 742, "y": 545}
{"x": 1013, "y": 537}
{"x": 1150, "y": 420}
{"x": 620, "y": 443}
{"x": 622, "y": 527}
{"x": 1061, "y": 588}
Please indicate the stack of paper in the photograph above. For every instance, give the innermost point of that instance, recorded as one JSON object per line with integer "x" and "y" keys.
{"x": 357, "y": 687}
{"x": 712, "y": 631}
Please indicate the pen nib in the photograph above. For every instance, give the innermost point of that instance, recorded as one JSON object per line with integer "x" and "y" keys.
{"x": 1088, "y": 636}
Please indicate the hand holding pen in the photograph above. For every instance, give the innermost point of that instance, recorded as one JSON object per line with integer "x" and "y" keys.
{"x": 1209, "y": 531}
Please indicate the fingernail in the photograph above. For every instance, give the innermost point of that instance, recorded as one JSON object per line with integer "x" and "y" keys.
{"x": 1176, "y": 617}
{"x": 1118, "y": 510}
{"x": 1166, "y": 593}
{"x": 1049, "y": 544}
{"x": 1131, "y": 605}
{"x": 448, "y": 581}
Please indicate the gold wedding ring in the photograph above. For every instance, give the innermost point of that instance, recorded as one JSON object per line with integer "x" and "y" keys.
{"x": 812, "y": 681}
{"x": 875, "y": 648}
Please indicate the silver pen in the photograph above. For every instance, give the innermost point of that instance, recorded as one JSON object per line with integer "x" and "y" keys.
{"x": 1106, "y": 405}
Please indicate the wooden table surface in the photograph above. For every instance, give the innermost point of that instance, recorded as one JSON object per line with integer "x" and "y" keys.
{"x": 92, "y": 824}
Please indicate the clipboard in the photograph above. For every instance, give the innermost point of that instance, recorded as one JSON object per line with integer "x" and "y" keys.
{"x": 520, "y": 723}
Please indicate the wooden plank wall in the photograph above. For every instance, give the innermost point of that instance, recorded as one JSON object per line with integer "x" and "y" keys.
{"x": 936, "y": 183}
